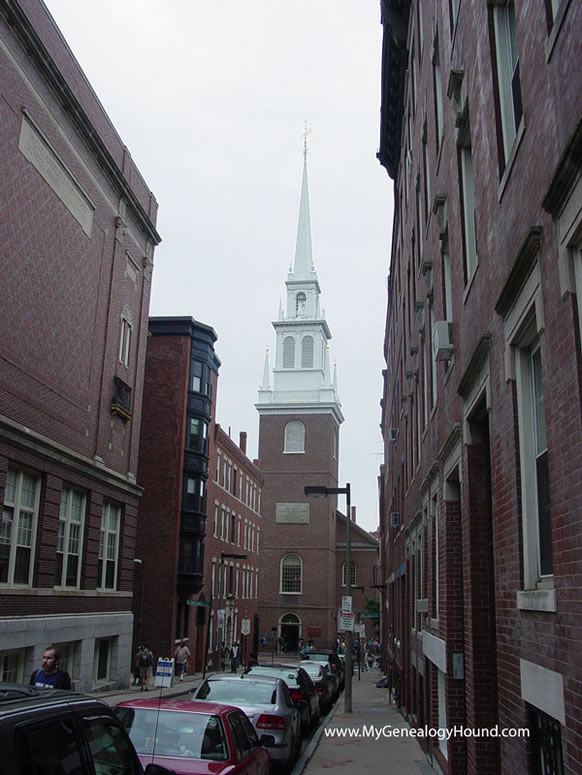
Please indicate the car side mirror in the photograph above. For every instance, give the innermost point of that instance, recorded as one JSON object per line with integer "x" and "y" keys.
{"x": 157, "y": 769}
{"x": 267, "y": 741}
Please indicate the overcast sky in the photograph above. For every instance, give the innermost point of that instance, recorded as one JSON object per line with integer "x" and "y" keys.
{"x": 210, "y": 97}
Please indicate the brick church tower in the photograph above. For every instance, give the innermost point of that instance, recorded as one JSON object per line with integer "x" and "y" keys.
{"x": 300, "y": 414}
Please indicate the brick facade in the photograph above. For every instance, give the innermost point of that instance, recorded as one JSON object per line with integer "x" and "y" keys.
{"x": 482, "y": 134}
{"x": 75, "y": 270}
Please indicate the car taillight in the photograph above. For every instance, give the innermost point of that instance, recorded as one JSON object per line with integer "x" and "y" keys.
{"x": 270, "y": 722}
{"x": 296, "y": 695}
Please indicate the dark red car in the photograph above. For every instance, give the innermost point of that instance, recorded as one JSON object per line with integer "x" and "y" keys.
{"x": 194, "y": 738}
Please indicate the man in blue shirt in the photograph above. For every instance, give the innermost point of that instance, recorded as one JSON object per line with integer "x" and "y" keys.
{"x": 49, "y": 676}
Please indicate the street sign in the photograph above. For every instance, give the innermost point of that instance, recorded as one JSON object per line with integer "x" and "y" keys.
{"x": 198, "y": 602}
{"x": 245, "y": 626}
{"x": 346, "y": 604}
{"x": 360, "y": 629}
{"x": 346, "y": 623}
{"x": 164, "y": 672}
{"x": 369, "y": 616}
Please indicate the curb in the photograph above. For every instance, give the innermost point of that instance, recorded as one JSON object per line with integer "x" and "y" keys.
{"x": 303, "y": 760}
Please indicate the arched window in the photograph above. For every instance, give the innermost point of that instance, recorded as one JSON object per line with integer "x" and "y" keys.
{"x": 353, "y": 581}
{"x": 294, "y": 437}
{"x": 307, "y": 352}
{"x": 291, "y": 573}
{"x": 288, "y": 352}
{"x": 300, "y": 305}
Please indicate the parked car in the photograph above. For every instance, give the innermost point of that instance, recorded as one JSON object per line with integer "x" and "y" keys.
{"x": 302, "y": 690}
{"x": 323, "y": 683}
{"x": 56, "y": 731}
{"x": 267, "y": 702}
{"x": 333, "y": 677}
{"x": 337, "y": 663}
{"x": 199, "y": 738}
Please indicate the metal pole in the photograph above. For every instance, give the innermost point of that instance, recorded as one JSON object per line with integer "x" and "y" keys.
{"x": 348, "y": 682}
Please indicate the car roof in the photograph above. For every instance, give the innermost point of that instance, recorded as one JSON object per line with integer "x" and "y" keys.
{"x": 190, "y": 706}
{"x": 18, "y": 698}
{"x": 246, "y": 677}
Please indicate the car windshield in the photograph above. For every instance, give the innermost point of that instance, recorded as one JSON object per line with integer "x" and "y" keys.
{"x": 237, "y": 692}
{"x": 179, "y": 734}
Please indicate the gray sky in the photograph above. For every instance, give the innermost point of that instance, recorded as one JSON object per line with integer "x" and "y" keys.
{"x": 210, "y": 97}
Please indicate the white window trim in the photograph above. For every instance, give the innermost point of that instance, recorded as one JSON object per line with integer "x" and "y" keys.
{"x": 504, "y": 78}
{"x": 17, "y": 508}
{"x": 104, "y": 532}
{"x": 287, "y": 442}
{"x": 281, "y": 590}
{"x": 66, "y": 538}
{"x": 523, "y": 324}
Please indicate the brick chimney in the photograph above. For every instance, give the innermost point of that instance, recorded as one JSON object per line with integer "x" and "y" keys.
{"x": 243, "y": 442}
{"x": 354, "y": 514}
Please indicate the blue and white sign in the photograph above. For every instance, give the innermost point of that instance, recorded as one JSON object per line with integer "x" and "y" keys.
{"x": 165, "y": 673}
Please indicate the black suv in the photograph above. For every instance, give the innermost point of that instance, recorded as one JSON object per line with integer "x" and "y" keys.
{"x": 55, "y": 732}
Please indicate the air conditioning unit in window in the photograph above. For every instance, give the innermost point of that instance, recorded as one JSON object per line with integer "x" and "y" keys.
{"x": 442, "y": 340}
{"x": 392, "y": 434}
{"x": 394, "y": 519}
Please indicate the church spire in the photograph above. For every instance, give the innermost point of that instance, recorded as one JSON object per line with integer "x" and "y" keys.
{"x": 303, "y": 268}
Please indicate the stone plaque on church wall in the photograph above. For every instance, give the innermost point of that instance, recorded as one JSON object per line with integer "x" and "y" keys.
{"x": 41, "y": 155}
{"x": 292, "y": 513}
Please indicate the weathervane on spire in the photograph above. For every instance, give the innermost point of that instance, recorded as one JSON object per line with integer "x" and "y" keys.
{"x": 306, "y": 134}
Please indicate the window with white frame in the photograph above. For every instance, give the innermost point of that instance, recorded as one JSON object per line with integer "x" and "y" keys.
{"x": 294, "y": 437}
{"x": 18, "y": 527}
{"x": 438, "y": 93}
{"x": 468, "y": 201}
{"x": 453, "y": 12}
{"x": 307, "y": 352}
{"x": 218, "y": 460}
{"x": 289, "y": 352}
{"x": 353, "y": 581}
{"x": 508, "y": 78}
{"x": 291, "y": 574}
{"x": 223, "y": 523}
{"x": 523, "y": 332}
{"x": 70, "y": 538}
{"x": 258, "y": 540}
{"x": 108, "y": 546}
{"x": 215, "y": 531}
{"x": 125, "y": 337}
{"x": 213, "y": 579}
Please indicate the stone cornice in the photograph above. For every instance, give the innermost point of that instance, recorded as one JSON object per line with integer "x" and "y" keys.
{"x": 477, "y": 360}
{"x": 520, "y": 270}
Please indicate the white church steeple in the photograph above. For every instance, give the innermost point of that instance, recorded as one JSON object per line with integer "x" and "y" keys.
{"x": 301, "y": 373}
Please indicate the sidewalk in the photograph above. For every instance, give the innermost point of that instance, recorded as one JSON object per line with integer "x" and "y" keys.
{"x": 360, "y": 755}
{"x": 179, "y": 689}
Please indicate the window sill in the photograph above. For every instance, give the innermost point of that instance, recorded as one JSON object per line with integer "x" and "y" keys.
{"x": 286, "y": 452}
{"x": 537, "y": 600}
{"x": 510, "y": 162}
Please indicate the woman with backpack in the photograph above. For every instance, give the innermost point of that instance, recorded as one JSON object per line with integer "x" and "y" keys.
{"x": 145, "y": 663}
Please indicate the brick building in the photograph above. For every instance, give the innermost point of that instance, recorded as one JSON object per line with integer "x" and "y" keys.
{"x": 78, "y": 232}
{"x": 299, "y": 424}
{"x": 178, "y": 413}
{"x": 364, "y": 560}
{"x": 232, "y": 546}
{"x": 481, "y": 130}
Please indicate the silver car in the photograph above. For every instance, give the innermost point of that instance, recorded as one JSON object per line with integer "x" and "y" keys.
{"x": 268, "y": 704}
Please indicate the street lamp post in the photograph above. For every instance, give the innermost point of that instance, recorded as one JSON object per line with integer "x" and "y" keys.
{"x": 322, "y": 491}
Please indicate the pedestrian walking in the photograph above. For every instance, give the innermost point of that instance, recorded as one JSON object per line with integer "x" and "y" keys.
{"x": 182, "y": 657}
{"x": 50, "y": 676}
{"x": 234, "y": 657}
{"x": 145, "y": 661}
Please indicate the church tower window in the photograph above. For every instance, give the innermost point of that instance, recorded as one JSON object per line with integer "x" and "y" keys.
{"x": 301, "y": 305}
{"x": 291, "y": 573}
{"x": 294, "y": 437}
{"x": 307, "y": 352}
{"x": 289, "y": 352}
